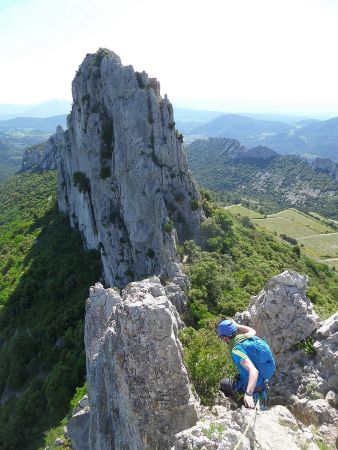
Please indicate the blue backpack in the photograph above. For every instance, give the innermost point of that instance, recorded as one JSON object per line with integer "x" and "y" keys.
{"x": 259, "y": 353}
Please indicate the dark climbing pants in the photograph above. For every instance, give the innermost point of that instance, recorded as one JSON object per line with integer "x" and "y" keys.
{"x": 228, "y": 387}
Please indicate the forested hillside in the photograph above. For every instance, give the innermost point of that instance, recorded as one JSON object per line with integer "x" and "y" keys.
{"x": 44, "y": 279}
{"x": 280, "y": 182}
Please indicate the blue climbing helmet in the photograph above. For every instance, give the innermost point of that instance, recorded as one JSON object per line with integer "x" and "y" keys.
{"x": 226, "y": 328}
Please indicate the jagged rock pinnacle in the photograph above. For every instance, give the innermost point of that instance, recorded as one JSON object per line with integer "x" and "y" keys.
{"x": 123, "y": 176}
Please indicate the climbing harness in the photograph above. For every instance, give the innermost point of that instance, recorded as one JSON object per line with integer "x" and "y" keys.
{"x": 247, "y": 428}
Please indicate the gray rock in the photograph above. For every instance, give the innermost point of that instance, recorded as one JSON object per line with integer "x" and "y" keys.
{"x": 327, "y": 166}
{"x": 284, "y": 316}
{"x": 326, "y": 346}
{"x": 78, "y": 429}
{"x": 275, "y": 429}
{"x": 281, "y": 312}
{"x": 42, "y": 157}
{"x": 138, "y": 387}
{"x": 123, "y": 177}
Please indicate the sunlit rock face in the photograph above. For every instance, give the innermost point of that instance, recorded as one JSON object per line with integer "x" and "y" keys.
{"x": 42, "y": 157}
{"x": 138, "y": 387}
{"x": 123, "y": 176}
{"x": 305, "y": 350}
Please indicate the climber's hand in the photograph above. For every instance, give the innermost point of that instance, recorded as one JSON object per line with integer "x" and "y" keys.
{"x": 248, "y": 401}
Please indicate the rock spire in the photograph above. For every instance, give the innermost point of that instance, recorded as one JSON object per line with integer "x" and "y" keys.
{"x": 123, "y": 176}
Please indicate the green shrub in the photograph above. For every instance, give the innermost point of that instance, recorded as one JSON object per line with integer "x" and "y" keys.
{"x": 179, "y": 136}
{"x": 194, "y": 204}
{"x": 150, "y": 253}
{"x": 99, "y": 55}
{"x": 105, "y": 172}
{"x": 79, "y": 393}
{"x": 168, "y": 227}
{"x": 207, "y": 360}
{"x": 307, "y": 346}
{"x": 81, "y": 181}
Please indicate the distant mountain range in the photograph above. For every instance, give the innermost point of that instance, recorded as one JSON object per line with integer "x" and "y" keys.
{"x": 308, "y": 137}
{"x": 50, "y": 108}
{"x": 47, "y": 124}
{"x": 279, "y": 181}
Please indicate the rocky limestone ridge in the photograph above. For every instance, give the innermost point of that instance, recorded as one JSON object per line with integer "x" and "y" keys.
{"x": 326, "y": 165}
{"x": 223, "y": 428}
{"x": 41, "y": 157}
{"x": 138, "y": 388}
{"x": 234, "y": 150}
{"x": 123, "y": 176}
{"x": 284, "y": 316}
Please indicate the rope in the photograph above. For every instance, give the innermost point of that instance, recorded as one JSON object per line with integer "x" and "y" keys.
{"x": 246, "y": 429}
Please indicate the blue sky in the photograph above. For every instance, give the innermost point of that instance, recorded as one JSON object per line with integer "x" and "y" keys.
{"x": 217, "y": 54}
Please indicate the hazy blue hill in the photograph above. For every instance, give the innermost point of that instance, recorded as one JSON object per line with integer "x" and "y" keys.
{"x": 188, "y": 119}
{"x": 283, "y": 181}
{"x": 50, "y": 108}
{"x": 241, "y": 127}
{"x": 309, "y": 137}
{"x": 34, "y": 123}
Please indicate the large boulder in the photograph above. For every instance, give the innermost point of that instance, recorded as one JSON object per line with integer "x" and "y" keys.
{"x": 138, "y": 387}
{"x": 281, "y": 312}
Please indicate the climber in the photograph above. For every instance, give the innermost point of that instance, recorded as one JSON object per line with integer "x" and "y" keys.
{"x": 253, "y": 359}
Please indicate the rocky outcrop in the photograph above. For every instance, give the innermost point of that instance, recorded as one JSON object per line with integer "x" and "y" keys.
{"x": 138, "y": 388}
{"x": 282, "y": 313}
{"x": 260, "y": 153}
{"x": 327, "y": 166}
{"x": 305, "y": 351}
{"x": 275, "y": 429}
{"x": 123, "y": 176}
{"x": 41, "y": 157}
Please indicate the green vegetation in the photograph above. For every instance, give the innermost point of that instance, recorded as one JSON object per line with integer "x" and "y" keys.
{"x": 243, "y": 211}
{"x": 100, "y": 54}
{"x": 44, "y": 279}
{"x": 234, "y": 263}
{"x": 105, "y": 172}
{"x": 306, "y": 346}
{"x": 277, "y": 184}
{"x": 168, "y": 227}
{"x": 81, "y": 181}
{"x": 207, "y": 361}
{"x": 12, "y": 145}
{"x": 316, "y": 235}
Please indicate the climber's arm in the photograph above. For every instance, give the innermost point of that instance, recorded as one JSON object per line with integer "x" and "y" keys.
{"x": 244, "y": 329}
{"x": 253, "y": 376}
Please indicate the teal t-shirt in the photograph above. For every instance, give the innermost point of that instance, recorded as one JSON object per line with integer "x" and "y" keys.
{"x": 259, "y": 353}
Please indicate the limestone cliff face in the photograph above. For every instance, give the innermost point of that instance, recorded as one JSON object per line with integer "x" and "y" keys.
{"x": 41, "y": 157}
{"x": 327, "y": 166}
{"x": 123, "y": 177}
{"x": 138, "y": 387}
{"x": 138, "y": 390}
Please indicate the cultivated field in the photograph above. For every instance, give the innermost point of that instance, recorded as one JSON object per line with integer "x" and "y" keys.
{"x": 243, "y": 211}
{"x": 313, "y": 233}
